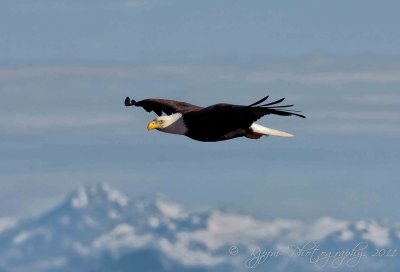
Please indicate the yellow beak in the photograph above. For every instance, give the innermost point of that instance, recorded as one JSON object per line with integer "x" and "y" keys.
{"x": 152, "y": 125}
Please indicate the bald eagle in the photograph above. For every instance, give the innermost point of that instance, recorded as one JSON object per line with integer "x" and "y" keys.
{"x": 214, "y": 123}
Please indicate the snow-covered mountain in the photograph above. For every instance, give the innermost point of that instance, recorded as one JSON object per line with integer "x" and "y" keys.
{"x": 99, "y": 229}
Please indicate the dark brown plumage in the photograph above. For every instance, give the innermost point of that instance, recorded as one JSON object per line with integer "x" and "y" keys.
{"x": 217, "y": 122}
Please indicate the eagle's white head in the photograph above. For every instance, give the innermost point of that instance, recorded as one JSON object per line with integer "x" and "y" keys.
{"x": 173, "y": 123}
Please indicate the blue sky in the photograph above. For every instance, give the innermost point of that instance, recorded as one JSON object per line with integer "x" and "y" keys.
{"x": 153, "y": 30}
{"x": 66, "y": 67}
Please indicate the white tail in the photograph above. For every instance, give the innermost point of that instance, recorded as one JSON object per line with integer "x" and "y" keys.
{"x": 258, "y": 129}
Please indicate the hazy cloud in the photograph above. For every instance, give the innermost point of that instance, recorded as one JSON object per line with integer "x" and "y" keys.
{"x": 41, "y": 122}
{"x": 20, "y": 72}
{"x": 303, "y": 72}
{"x": 373, "y": 99}
{"x": 326, "y": 77}
{"x": 354, "y": 128}
{"x": 361, "y": 115}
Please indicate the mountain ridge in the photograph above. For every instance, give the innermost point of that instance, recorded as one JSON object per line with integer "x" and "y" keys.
{"x": 97, "y": 228}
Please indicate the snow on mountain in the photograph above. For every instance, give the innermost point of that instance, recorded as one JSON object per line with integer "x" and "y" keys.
{"x": 374, "y": 232}
{"x": 98, "y": 228}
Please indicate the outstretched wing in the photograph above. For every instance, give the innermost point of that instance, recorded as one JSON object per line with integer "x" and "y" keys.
{"x": 269, "y": 108}
{"x": 229, "y": 117}
{"x": 162, "y": 105}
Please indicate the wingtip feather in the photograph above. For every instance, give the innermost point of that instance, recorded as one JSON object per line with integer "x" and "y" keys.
{"x": 259, "y": 101}
{"x": 129, "y": 102}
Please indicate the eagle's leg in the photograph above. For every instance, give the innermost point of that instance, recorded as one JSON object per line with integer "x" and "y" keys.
{"x": 253, "y": 136}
